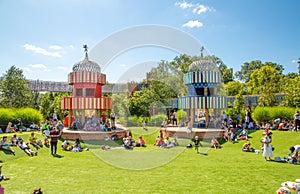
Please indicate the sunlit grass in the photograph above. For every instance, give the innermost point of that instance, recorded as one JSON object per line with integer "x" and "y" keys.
{"x": 179, "y": 170}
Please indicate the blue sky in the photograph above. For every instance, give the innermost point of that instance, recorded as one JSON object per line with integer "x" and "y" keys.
{"x": 45, "y": 38}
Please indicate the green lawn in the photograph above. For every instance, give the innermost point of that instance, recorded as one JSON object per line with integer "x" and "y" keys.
{"x": 151, "y": 169}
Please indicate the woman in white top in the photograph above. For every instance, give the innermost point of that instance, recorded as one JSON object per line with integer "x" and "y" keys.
{"x": 267, "y": 143}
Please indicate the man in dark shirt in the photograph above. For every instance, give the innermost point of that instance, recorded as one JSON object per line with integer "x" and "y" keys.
{"x": 54, "y": 134}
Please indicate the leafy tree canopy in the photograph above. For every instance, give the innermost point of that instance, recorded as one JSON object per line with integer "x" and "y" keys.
{"x": 247, "y": 69}
{"x": 14, "y": 91}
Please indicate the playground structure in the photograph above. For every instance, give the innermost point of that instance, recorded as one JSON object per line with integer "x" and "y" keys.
{"x": 87, "y": 107}
{"x": 205, "y": 101}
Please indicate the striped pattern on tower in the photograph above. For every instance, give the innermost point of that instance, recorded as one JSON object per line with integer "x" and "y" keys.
{"x": 194, "y": 102}
{"x": 202, "y": 77}
{"x": 80, "y": 103}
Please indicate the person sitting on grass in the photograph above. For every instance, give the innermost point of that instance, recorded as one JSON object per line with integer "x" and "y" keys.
{"x": 246, "y": 147}
{"x": 158, "y": 141}
{"x": 14, "y": 140}
{"x": 127, "y": 143}
{"x": 166, "y": 143}
{"x": 295, "y": 149}
{"x": 244, "y": 134}
{"x": 33, "y": 140}
{"x": 2, "y": 177}
{"x": 175, "y": 141}
{"x": 10, "y": 128}
{"x": 215, "y": 143}
{"x": 5, "y": 146}
{"x": 24, "y": 146}
{"x": 141, "y": 142}
{"x": 76, "y": 147}
{"x": 66, "y": 145}
{"x": 34, "y": 126}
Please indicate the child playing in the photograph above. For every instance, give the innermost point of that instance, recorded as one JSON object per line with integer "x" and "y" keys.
{"x": 197, "y": 143}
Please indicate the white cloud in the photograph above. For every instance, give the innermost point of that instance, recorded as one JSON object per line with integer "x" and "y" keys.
{"x": 199, "y": 9}
{"x": 40, "y": 50}
{"x": 193, "y": 24}
{"x": 38, "y": 66}
{"x": 55, "y": 47}
{"x": 184, "y": 5}
{"x": 123, "y": 65}
{"x": 26, "y": 69}
{"x": 71, "y": 46}
{"x": 295, "y": 61}
{"x": 62, "y": 68}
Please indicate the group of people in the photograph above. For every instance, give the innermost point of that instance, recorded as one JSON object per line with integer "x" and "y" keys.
{"x": 129, "y": 143}
{"x": 76, "y": 147}
{"x": 285, "y": 124}
{"x": 7, "y": 145}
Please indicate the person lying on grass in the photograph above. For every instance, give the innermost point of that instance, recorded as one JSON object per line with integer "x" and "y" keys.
{"x": 5, "y": 146}
{"x": 33, "y": 140}
{"x": 24, "y": 146}
{"x": 2, "y": 177}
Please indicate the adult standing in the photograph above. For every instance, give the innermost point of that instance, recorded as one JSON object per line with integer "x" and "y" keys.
{"x": 54, "y": 135}
{"x": 54, "y": 116}
{"x": 297, "y": 120}
{"x": 174, "y": 118}
{"x": 267, "y": 146}
{"x": 113, "y": 117}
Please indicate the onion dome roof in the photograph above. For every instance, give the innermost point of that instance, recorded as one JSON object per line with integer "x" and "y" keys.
{"x": 203, "y": 65}
{"x": 86, "y": 64}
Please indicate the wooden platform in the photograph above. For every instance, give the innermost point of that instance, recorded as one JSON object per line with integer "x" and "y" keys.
{"x": 94, "y": 135}
{"x": 202, "y": 133}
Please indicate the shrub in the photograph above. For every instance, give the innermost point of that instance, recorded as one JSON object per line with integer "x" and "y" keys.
{"x": 156, "y": 120}
{"x": 28, "y": 115}
{"x": 6, "y": 115}
{"x": 264, "y": 114}
{"x": 181, "y": 115}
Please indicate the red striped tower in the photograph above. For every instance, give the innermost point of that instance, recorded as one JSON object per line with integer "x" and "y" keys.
{"x": 86, "y": 100}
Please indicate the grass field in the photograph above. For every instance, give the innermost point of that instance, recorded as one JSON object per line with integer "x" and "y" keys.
{"x": 151, "y": 169}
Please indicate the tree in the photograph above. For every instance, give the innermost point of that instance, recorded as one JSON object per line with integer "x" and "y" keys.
{"x": 121, "y": 104}
{"x": 265, "y": 81}
{"x": 247, "y": 69}
{"x": 14, "y": 91}
{"x": 234, "y": 87}
{"x": 291, "y": 88}
{"x": 227, "y": 73}
{"x": 50, "y": 102}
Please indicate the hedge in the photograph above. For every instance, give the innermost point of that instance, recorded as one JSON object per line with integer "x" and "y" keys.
{"x": 265, "y": 114}
{"x": 28, "y": 115}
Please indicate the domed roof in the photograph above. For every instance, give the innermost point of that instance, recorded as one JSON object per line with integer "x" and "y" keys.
{"x": 86, "y": 64}
{"x": 203, "y": 65}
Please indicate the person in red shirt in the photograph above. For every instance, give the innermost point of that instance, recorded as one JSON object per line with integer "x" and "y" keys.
{"x": 54, "y": 135}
